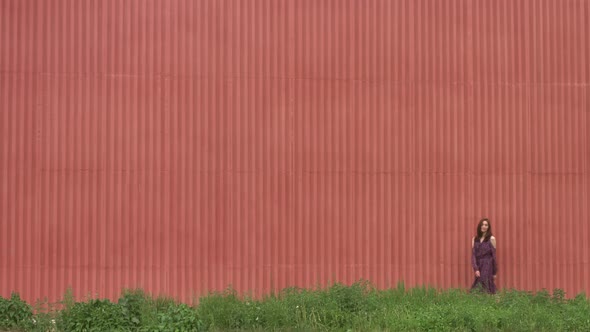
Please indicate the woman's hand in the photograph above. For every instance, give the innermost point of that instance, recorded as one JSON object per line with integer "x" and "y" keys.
{"x": 477, "y": 274}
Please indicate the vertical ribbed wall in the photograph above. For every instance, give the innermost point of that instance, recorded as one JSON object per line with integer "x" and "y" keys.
{"x": 184, "y": 146}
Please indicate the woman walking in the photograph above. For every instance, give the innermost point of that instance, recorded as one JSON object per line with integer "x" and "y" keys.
{"x": 483, "y": 258}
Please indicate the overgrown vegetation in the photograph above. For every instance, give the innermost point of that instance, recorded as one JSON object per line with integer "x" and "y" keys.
{"x": 359, "y": 307}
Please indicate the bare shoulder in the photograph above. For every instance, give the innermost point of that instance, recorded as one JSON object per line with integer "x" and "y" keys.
{"x": 493, "y": 240}
{"x": 472, "y": 241}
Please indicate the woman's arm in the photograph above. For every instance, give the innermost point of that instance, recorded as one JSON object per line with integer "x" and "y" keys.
{"x": 493, "y": 241}
{"x": 473, "y": 260}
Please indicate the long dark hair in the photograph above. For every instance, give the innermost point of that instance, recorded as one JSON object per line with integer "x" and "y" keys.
{"x": 488, "y": 233}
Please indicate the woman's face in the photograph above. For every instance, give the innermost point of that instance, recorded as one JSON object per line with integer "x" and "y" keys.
{"x": 484, "y": 226}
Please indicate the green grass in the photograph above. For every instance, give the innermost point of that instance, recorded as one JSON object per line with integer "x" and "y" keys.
{"x": 359, "y": 307}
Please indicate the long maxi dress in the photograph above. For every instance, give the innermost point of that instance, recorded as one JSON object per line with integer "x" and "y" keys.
{"x": 483, "y": 258}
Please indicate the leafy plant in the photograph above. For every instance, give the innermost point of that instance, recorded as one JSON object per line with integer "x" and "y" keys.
{"x": 15, "y": 313}
{"x": 94, "y": 315}
{"x": 178, "y": 317}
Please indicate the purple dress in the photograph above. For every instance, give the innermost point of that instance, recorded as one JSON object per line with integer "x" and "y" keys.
{"x": 483, "y": 258}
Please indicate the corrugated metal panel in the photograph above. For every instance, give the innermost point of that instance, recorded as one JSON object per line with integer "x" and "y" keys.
{"x": 183, "y": 146}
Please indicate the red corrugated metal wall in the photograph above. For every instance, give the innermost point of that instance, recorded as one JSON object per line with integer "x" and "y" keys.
{"x": 183, "y": 146}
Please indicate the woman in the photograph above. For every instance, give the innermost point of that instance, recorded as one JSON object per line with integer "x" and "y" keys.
{"x": 483, "y": 258}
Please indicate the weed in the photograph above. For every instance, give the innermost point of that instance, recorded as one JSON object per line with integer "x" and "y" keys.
{"x": 338, "y": 307}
